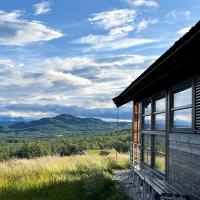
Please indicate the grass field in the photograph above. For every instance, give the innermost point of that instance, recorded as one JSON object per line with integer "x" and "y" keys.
{"x": 86, "y": 177}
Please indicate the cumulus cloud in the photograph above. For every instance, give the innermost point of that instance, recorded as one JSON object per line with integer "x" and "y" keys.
{"x": 59, "y": 83}
{"x": 183, "y": 31}
{"x": 112, "y": 19}
{"x": 42, "y": 8}
{"x": 68, "y": 78}
{"x": 17, "y": 31}
{"x": 147, "y": 3}
{"x": 119, "y": 24}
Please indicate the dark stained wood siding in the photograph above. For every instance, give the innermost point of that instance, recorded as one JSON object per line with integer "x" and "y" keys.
{"x": 184, "y": 162}
{"x": 197, "y": 105}
{"x": 184, "y": 153}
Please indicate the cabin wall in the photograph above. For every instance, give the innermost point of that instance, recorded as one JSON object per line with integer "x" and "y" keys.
{"x": 184, "y": 152}
{"x": 182, "y": 149}
{"x": 184, "y": 162}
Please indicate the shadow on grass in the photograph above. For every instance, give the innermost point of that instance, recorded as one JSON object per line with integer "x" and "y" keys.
{"x": 92, "y": 187}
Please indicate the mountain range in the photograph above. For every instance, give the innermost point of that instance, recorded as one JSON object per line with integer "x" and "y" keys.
{"x": 63, "y": 124}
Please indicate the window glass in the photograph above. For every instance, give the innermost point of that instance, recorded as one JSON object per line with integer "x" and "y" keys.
{"x": 160, "y": 105}
{"x": 160, "y": 121}
{"x": 147, "y": 122}
{"x": 183, "y": 118}
{"x": 183, "y": 98}
{"x": 159, "y": 143}
{"x": 159, "y": 153}
{"x": 147, "y": 108}
{"x": 147, "y": 156}
{"x": 147, "y": 148}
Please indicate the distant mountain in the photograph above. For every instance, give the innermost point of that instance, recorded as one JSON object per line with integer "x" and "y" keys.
{"x": 2, "y": 127}
{"x": 67, "y": 124}
{"x": 8, "y": 121}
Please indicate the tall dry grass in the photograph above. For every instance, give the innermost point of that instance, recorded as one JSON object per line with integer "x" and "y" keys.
{"x": 71, "y": 178}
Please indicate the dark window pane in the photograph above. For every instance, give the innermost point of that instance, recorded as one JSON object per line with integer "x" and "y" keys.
{"x": 147, "y": 148}
{"x": 147, "y": 141}
{"x": 147, "y": 122}
{"x": 183, "y": 118}
{"x": 159, "y": 153}
{"x": 160, "y": 121}
{"x": 147, "y": 108}
{"x": 160, "y": 105}
{"x": 145, "y": 156}
{"x": 159, "y": 144}
{"x": 183, "y": 98}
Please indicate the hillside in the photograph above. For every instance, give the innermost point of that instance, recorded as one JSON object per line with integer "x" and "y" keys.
{"x": 67, "y": 124}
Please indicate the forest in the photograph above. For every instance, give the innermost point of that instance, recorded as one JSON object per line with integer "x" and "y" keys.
{"x": 63, "y": 146}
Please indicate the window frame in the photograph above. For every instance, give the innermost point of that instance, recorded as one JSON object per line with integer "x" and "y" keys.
{"x": 154, "y": 132}
{"x": 178, "y": 88}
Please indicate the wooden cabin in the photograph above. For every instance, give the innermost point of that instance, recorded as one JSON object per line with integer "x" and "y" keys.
{"x": 165, "y": 153}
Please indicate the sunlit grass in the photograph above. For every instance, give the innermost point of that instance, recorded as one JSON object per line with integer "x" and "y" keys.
{"x": 73, "y": 177}
{"x": 160, "y": 163}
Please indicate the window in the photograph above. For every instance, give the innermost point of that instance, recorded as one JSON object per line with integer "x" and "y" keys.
{"x": 159, "y": 153}
{"x": 182, "y": 109}
{"x": 159, "y": 114}
{"x": 147, "y": 149}
{"x": 147, "y": 109}
{"x": 154, "y": 121}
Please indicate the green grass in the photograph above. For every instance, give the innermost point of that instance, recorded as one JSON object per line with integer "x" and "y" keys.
{"x": 61, "y": 178}
{"x": 98, "y": 151}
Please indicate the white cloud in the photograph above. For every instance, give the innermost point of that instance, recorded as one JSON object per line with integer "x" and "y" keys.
{"x": 142, "y": 25}
{"x": 147, "y": 3}
{"x": 17, "y": 31}
{"x": 121, "y": 30}
{"x": 110, "y": 42}
{"x": 68, "y": 78}
{"x": 175, "y": 15}
{"x": 84, "y": 81}
{"x": 184, "y": 30}
{"x": 119, "y": 24}
{"x": 68, "y": 63}
{"x": 42, "y": 8}
{"x": 112, "y": 19}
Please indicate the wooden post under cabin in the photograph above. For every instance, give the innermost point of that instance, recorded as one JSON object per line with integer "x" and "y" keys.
{"x": 136, "y": 135}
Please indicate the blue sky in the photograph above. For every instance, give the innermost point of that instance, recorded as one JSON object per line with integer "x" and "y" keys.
{"x": 74, "y": 56}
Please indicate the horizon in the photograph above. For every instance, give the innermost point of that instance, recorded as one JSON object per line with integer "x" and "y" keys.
{"x": 74, "y": 57}
{"x": 8, "y": 119}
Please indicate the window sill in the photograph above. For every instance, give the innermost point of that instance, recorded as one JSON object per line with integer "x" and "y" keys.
{"x": 156, "y": 132}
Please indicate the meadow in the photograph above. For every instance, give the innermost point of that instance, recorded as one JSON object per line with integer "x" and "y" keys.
{"x": 86, "y": 177}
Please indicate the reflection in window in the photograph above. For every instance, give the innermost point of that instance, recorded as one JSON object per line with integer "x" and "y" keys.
{"x": 147, "y": 122}
{"x": 147, "y": 115}
{"x": 159, "y": 114}
{"x": 182, "y": 109}
{"x": 147, "y": 108}
{"x": 160, "y": 121}
{"x": 147, "y": 149}
{"x": 160, "y": 105}
{"x": 159, "y": 153}
{"x": 183, "y": 98}
{"x": 183, "y": 118}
